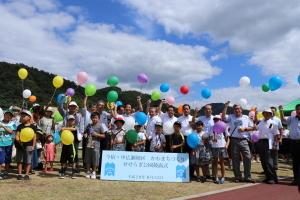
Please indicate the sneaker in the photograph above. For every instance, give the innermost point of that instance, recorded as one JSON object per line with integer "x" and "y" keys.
{"x": 19, "y": 177}
{"x": 1, "y": 177}
{"x": 199, "y": 179}
{"x": 249, "y": 180}
{"x": 32, "y": 172}
{"x": 222, "y": 181}
{"x": 93, "y": 176}
{"x": 88, "y": 175}
{"x": 62, "y": 175}
{"x": 26, "y": 177}
{"x": 217, "y": 181}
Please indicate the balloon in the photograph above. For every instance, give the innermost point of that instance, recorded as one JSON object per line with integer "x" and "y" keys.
{"x": 60, "y": 99}
{"x": 170, "y": 100}
{"x": 219, "y": 127}
{"x": 119, "y": 103}
{"x": 155, "y": 95}
{"x": 184, "y": 89}
{"x": 193, "y": 140}
{"x": 260, "y": 116}
{"x": 56, "y": 137}
{"x": 164, "y": 87}
{"x": 255, "y": 136}
{"x": 244, "y": 81}
{"x": 112, "y": 96}
{"x": 58, "y": 81}
{"x": 22, "y": 73}
{"x": 142, "y": 78}
{"x": 26, "y": 134}
{"x": 206, "y": 93}
{"x": 82, "y": 78}
{"x": 67, "y": 137}
{"x": 299, "y": 79}
{"x": 168, "y": 127}
{"x": 90, "y": 90}
{"x": 26, "y": 93}
{"x": 131, "y": 136}
{"x": 113, "y": 81}
{"x": 57, "y": 117}
{"x": 140, "y": 118}
{"x": 70, "y": 92}
{"x": 265, "y": 87}
{"x": 32, "y": 99}
{"x": 275, "y": 83}
{"x": 180, "y": 109}
{"x": 243, "y": 102}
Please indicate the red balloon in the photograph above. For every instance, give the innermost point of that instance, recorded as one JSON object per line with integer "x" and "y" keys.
{"x": 184, "y": 89}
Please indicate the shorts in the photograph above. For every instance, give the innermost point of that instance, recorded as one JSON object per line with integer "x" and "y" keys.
{"x": 219, "y": 152}
{"x": 5, "y": 154}
{"x": 24, "y": 155}
{"x": 92, "y": 156}
{"x": 68, "y": 154}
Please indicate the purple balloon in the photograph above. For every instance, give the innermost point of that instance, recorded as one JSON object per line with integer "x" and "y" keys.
{"x": 142, "y": 78}
{"x": 70, "y": 92}
{"x": 255, "y": 136}
{"x": 219, "y": 127}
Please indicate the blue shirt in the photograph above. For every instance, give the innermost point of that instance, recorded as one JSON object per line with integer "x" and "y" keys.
{"x": 294, "y": 126}
{"x": 6, "y": 139}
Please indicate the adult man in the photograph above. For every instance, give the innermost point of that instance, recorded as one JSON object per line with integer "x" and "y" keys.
{"x": 168, "y": 120}
{"x": 240, "y": 125}
{"x": 268, "y": 132}
{"x": 294, "y": 124}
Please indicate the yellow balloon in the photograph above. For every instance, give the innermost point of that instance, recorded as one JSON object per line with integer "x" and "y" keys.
{"x": 22, "y": 73}
{"x": 58, "y": 81}
{"x": 26, "y": 134}
{"x": 67, "y": 137}
{"x": 260, "y": 116}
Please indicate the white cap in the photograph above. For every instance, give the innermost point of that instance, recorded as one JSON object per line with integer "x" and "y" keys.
{"x": 71, "y": 117}
{"x": 268, "y": 111}
{"x": 73, "y": 103}
{"x": 217, "y": 117}
{"x": 27, "y": 112}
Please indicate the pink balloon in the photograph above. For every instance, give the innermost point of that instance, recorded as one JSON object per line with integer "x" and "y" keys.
{"x": 82, "y": 78}
{"x": 293, "y": 114}
{"x": 142, "y": 78}
{"x": 170, "y": 100}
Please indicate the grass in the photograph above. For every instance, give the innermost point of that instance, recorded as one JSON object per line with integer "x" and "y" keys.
{"x": 48, "y": 186}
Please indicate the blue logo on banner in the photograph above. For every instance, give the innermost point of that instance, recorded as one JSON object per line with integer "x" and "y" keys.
{"x": 180, "y": 171}
{"x": 110, "y": 169}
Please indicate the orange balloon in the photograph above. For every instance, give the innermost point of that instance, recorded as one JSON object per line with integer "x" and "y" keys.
{"x": 32, "y": 99}
{"x": 180, "y": 109}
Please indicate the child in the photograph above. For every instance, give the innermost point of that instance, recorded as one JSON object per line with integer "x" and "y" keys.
{"x": 118, "y": 137}
{"x": 25, "y": 149}
{"x": 49, "y": 152}
{"x": 158, "y": 142}
{"x": 177, "y": 139}
{"x": 200, "y": 157}
{"x": 220, "y": 144}
{"x": 141, "y": 139}
{"x": 7, "y": 134}
{"x": 93, "y": 133}
{"x": 68, "y": 152}
{"x": 46, "y": 123}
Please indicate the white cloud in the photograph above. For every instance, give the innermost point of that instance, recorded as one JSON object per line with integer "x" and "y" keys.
{"x": 64, "y": 43}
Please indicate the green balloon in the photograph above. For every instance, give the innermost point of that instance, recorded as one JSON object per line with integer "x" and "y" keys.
{"x": 112, "y": 96}
{"x": 57, "y": 117}
{"x": 90, "y": 90}
{"x": 155, "y": 95}
{"x": 265, "y": 87}
{"x": 113, "y": 81}
{"x": 131, "y": 136}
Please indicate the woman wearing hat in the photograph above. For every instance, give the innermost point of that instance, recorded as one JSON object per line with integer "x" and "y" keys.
{"x": 118, "y": 136}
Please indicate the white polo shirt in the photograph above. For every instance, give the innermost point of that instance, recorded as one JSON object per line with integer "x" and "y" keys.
{"x": 294, "y": 125}
{"x": 129, "y": 122}
{"x": 277, "y": 122}
{"x": 186, "y": 129}
{"x": 268, "y": 130}
{"x": 168, "y": 123}
{"x": 238, "y": 122}
{"x": 150, "y": 127}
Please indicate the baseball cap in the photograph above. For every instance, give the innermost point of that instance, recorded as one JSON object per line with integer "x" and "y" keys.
{"x": 71, "y": 117}
{"x": 73, "y": 103}
{"x": 158, "y": 124}
{"x": 27, "y": 112}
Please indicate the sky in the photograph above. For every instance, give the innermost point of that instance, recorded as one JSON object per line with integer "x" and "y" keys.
{"x": 202, "y": 44}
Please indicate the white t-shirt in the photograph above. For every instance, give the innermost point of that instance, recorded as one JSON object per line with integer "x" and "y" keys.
{"x": 119, "y": 135}
{"x": 129, "y": 122}
{"x": 186, "y": 129}
{"x": 277, "y": 122}
{"x": 218, "y": 140}
{"x": 208, "y": 123}
{"x": 238, "y": 122}
{"x": 168, "y": 123}
{"x": 267, "y": 130}
{"x": 104, "y": 117}
{"x": 1, "y": 114}
{"x": 150, "y": 127}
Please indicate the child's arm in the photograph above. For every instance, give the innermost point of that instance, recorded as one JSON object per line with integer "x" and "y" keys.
{"x": 68, "y": 129}
{"x": 34, "y": 141}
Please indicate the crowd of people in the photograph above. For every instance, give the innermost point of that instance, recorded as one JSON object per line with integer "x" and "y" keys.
{"x": 96, "y": 129}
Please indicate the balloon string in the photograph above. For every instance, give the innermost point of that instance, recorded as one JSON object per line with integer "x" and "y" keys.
{"x": 23, "y": 100}
{"x": 53, "y": 95}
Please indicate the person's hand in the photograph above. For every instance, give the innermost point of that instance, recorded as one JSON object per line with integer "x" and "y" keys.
{"x": 164, "y": 101}
{"x": 138, "y": 98}
{"x": 173, "y": 147}
{"x": 227, "y": 103}
{"x": 197, "y": 110}
{"x": 240, "y": 130}
{"x": 149, "y": 102}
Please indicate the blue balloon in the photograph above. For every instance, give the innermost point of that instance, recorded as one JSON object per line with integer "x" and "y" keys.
{"x": 164, "y": 87}
{"x": 119, "y": 103}
{"x": 299, "y": 79}
{"x": 140, "y": 118}
{"x": 60, "y": 99}
{"x": 56, "y": 137}
{"x": 206, "y": 93}
{"x": 193, "y": 140}
{"x": 275, "y": 83}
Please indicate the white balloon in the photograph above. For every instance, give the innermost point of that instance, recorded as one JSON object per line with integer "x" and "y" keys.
{"x": 168, "y": 128}
{"x": 244, "y": 81}
{"x": 243, "y": 102}
{"x": 26, "y": 93}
